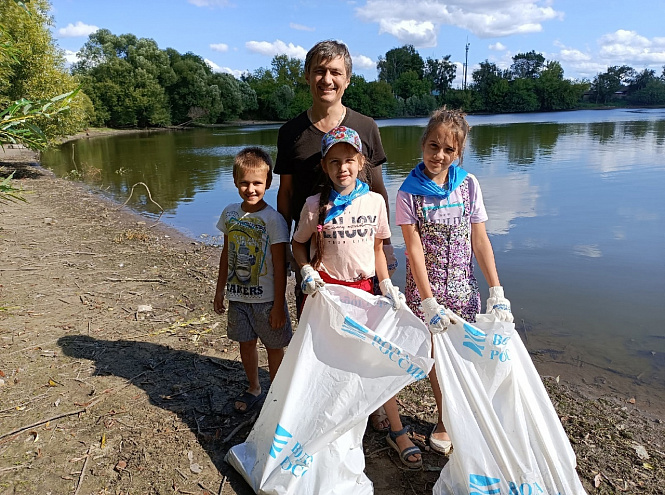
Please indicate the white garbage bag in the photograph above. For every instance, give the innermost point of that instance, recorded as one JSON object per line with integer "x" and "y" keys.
{"x": 507, "y": 437}
{"x": 350, "y": 354}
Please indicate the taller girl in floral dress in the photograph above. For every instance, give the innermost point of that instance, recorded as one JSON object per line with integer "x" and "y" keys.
{"x": 440, "y": 209}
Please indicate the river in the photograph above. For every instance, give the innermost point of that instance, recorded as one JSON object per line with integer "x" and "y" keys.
{"x": 575, "y": 201}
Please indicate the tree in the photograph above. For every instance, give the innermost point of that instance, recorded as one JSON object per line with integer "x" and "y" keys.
{"x": 400, "y": 60}
{"x": 527, "y": 65}
{"x": 32, "y": 68}
{"x": 554, "y": 92}
{"x": 491, "y": 87}
{"x": 440, "y": 73}
{"x": 409, "y": 84}
{"x": 125, "y": 77}
{"x": 606, "y": 84}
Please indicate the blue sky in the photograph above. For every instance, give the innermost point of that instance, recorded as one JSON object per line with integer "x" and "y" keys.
{"x": 585, "y": 36}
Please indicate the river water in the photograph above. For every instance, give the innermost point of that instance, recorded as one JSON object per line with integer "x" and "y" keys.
{"x": 575, "y": 200}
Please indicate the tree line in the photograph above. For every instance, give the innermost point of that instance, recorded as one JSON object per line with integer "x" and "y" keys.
{"x": 126, "y": 81}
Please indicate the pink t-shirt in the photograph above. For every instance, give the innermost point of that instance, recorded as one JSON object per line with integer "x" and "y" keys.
{"x": 349, "y": 238}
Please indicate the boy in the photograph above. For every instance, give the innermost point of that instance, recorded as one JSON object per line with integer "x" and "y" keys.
{"x": 252, "y": 269}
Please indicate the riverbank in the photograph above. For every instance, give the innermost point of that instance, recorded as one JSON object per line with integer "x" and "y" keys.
{"x": 118, "y": 377}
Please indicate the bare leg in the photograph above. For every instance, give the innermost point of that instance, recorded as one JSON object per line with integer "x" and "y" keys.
{"x": 275, "y": 357}
{"x": 439, "y": 432}
{"x": 249, "y": 356}
{"x": 402, "y": 441}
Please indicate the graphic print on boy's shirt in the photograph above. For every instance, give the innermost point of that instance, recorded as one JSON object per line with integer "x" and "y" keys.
{"x": 248, "y": 243}
{"x": 250, "y": 236}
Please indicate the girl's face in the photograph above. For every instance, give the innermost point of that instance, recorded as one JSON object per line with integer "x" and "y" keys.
{"x": 440, "y": 150}
{"x": 342, "y": 164}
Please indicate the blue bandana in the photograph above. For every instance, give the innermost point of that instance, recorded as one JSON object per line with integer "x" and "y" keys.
{"x": 418, "y": 184}
{"x": 341, "y": 202}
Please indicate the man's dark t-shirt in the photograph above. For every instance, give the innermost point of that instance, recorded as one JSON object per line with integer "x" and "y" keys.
{"x": 299, "y": 153}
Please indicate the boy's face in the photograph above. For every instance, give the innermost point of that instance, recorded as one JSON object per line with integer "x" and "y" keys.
{"x": 327, "y": 80}
{"x": 252, "y": 185}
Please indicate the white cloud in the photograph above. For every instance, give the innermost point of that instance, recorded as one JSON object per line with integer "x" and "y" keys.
{"x": 210, "y": 3}
{"x": 420, "y": 34}
{"x": 630, "y": 48}
{"x": 418, "y": 21}
{"x": 277, "y": 47}
{"x": 216, "y": 68}
{"x": 363, "y": 62}
{"x": 300, "y": 27}
{"x": 219, "y": 47}
{"x": 76, "y": 30}
{"x": 70, "y": 57}
{"x": 498, "y": 46}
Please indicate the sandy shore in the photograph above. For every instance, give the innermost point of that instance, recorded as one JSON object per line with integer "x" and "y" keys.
{"x": 117, "y": 375}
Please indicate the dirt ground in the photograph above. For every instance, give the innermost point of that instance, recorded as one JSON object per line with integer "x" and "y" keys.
{"x": 116, "y": 376}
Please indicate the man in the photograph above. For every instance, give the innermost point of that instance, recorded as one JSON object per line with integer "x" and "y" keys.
{"x": 328, "y": 73}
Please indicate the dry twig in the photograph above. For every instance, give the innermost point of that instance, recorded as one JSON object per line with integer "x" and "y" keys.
{"x": 149, "y": 197}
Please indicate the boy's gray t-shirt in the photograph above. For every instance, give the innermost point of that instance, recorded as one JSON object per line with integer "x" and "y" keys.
{"x": 250, "y": 235}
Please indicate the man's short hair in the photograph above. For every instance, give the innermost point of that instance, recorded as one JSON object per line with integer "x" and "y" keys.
{"x": 252, "y": 158}
{"x": 328, "y": 50}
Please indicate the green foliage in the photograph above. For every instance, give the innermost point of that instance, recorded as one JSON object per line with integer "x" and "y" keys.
{"x": 9, "y": 193}
{"x": 440, "y": 74}
{"x": 527, "y": 65}
{"x": 18, "y": 120}
{"x": 398, "y": 61}
{"x": 32, "y": 68}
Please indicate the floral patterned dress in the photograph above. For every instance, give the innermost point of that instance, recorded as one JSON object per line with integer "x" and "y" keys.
{"x": 449, "y": 262}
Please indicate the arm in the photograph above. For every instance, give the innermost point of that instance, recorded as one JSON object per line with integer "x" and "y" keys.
{"x": 218, "y": 303}
{"x": 299, "y": 253}
{"x": 277, "y": 316}
{"x": 482, "y": 249}
{"x": 380, "y": 264}
{"x": 284, "y": 196}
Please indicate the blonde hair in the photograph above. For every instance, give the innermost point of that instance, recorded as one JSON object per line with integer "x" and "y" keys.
{"x": 455, "y": 121}
{"x": 252, "y": 158}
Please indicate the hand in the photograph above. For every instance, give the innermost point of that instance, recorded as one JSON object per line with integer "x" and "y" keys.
{"x": 218, "y": 303}
{"x": 392, "y": 292}
{"x": 311, "y": 280}
{"x": 391, "y": 260}
{"x": 290, "y": 261}
{"x": 435, "y": 315}
{"x": 498, "y": 305}
{"x": 277, "y": 317}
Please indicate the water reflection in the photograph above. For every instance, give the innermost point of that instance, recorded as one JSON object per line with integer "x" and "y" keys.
{"x": 576, "y": 218}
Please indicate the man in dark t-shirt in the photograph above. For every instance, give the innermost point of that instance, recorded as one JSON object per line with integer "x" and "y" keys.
{"x": 328, "y": 73}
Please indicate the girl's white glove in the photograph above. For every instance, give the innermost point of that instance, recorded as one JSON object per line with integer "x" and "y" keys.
{"x": 435, "y": 315}
{"x": 311, "y": 280}
{"x": 391, "y": 259}
{"x": 392, "y": 292}
{"x": 498, "y": 305}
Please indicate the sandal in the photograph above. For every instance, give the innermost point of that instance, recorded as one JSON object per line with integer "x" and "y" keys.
{"x": 407, "y": 452}
{"x": 248, "y": 399}
{"x": 378, "y": 418}
{"x": 439, "y": 446}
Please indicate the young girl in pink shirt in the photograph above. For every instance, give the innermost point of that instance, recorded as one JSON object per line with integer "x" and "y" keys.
{"x": 346, "y": 224}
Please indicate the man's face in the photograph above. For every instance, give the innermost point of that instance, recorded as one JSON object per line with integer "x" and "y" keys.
{"x": 327, "y": 80}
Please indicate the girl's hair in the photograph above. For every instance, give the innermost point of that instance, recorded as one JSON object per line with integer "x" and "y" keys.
{"x": 326, "y": 188}
{"x": 328, "y": 50}
{"x": 454, "y": 120}
{"x": 252, "y": 158}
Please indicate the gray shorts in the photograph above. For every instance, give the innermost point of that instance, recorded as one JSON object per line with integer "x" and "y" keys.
{"x": 248, "y": 321}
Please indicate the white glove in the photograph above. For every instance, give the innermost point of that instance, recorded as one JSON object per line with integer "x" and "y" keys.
{"x": 311, "y": 280}
{"x": 392, "y": 292}
{"x": 435, "y": 315}
{"x": 389, "y": 252}
{"x": 498, "y": 305}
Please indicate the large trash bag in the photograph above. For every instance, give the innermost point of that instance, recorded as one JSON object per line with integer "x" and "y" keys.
{"x": 350, "y": 354}
{"x": 506, "y": 435}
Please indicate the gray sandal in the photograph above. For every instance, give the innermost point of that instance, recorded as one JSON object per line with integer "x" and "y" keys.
{"x": 407, "y": 452}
